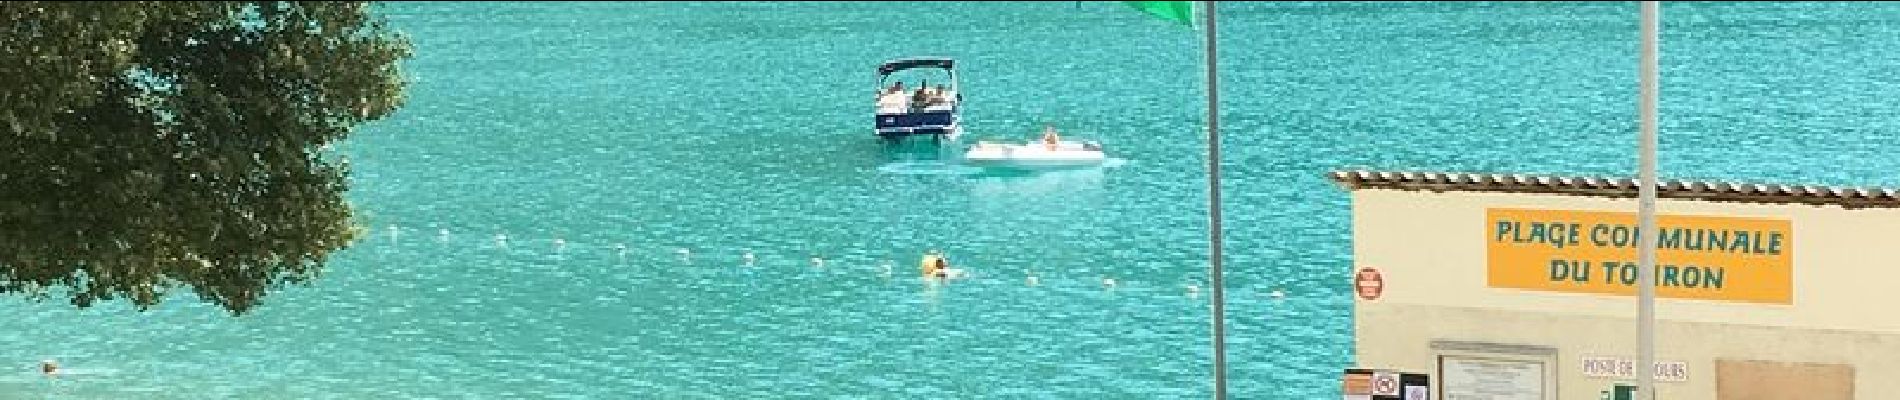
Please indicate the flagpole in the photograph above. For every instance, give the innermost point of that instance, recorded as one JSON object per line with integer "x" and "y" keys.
{"x": 1213, "y": 211}
{"x": 1646, "y": 208}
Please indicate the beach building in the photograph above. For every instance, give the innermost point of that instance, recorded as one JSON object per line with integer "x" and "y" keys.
{"x": 1522, "y": 287}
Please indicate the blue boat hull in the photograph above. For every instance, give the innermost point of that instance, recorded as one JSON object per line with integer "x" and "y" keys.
{"x": 917, "y": 123}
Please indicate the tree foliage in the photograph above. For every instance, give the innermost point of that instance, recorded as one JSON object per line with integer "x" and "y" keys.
{"x": 149, "y": 146}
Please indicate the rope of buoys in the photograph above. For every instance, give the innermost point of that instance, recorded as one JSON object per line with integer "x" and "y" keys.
{"x": 751, "y": 257}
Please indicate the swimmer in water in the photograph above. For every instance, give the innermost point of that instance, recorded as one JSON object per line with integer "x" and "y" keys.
{"x": 929, "y": 264}
{"x": 943, "y": 268}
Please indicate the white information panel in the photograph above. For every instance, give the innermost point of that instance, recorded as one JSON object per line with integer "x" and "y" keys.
{"x": 1467, "y": 378}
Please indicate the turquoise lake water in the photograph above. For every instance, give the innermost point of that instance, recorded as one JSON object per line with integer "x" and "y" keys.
{"x": 727, "y": 127}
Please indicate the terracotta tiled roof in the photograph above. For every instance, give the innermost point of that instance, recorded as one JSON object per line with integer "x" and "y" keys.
{"x": 1620, "y": 187}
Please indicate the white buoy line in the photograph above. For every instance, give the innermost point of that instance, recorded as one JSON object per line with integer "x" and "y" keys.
{"x": 749, "y": 257}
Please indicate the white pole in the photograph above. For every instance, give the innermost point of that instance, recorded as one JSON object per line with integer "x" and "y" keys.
{"x": 1213, "y": 211}
{"x": 1646, "y": 211}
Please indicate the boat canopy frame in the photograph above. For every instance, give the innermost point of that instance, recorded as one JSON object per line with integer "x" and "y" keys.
{"x": 894, "y": 66}
{"x": 901, "y": 64}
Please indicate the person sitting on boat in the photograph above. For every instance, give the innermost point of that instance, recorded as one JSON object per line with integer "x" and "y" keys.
{"x": 1049, "y": 136}
{"x": 939, "y": 96}
{"x": 928, "y": 97}
{"x": 921, "y": 98}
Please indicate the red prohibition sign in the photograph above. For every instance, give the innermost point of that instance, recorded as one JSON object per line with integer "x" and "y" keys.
{"x": 1368, "y": 283}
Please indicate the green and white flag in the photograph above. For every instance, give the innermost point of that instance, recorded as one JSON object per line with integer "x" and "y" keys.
{"x": 1178, "y": 11}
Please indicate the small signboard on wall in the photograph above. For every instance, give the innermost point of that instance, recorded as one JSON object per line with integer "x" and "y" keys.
{"x": 1475, "y": 378}
{"x": 1611, "y": 367}
{"x": 1384, "y": 384}
{"x": 1357, "y": 384}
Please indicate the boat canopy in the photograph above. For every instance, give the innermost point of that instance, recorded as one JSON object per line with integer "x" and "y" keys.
{"x": 920, "y": 62}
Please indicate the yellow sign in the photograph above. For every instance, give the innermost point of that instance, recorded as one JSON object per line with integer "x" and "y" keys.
{"x": 1699, "y": 257}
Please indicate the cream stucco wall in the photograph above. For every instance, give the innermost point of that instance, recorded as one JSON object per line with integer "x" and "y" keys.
{"x": 1400, "y": 336}
{"x": 1430, "y": 249}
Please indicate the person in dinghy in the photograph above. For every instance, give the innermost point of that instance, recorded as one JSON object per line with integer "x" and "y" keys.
{"x": 1050, "y": 138}
{"x": 1053, "y": 140}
